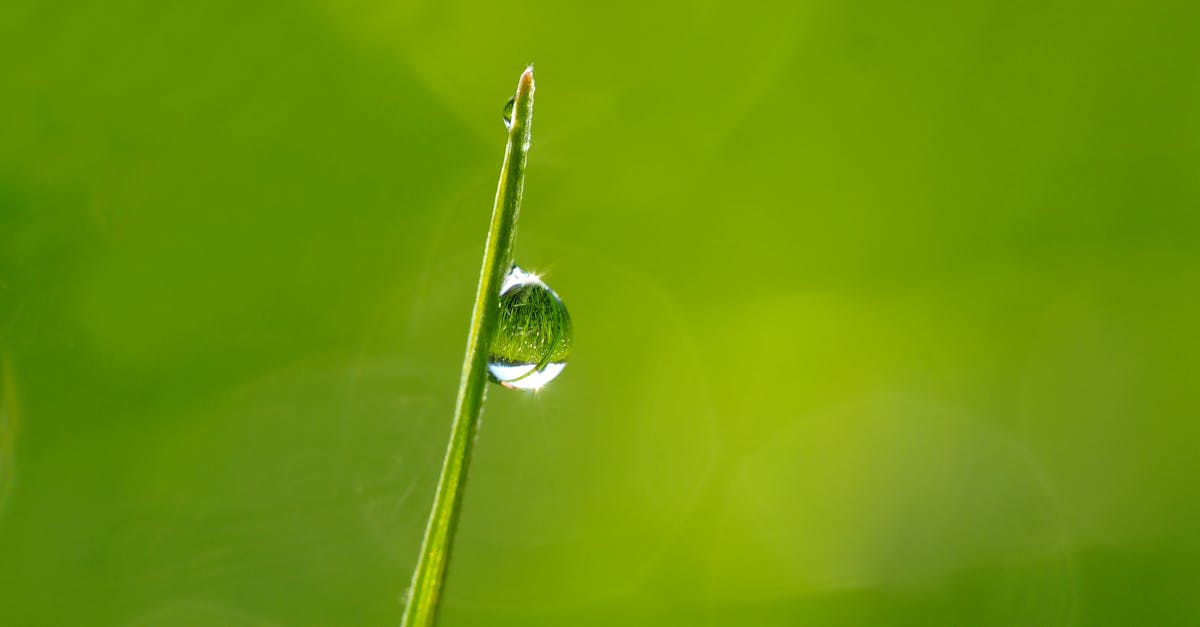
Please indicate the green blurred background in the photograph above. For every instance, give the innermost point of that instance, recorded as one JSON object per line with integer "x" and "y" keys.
{"x": 886, "y": 314}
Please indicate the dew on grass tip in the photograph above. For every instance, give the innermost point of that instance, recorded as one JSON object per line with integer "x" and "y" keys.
{"x": 508, "y": 111}
{"x": 533, "y": 336}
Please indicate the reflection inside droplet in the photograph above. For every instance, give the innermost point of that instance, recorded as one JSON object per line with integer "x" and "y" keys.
{"x": 533, "y": 336}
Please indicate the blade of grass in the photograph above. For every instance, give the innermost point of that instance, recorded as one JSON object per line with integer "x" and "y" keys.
{"x": 430, "y": 574}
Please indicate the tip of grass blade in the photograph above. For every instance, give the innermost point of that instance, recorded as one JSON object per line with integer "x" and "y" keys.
{"x": 527, "y": 77}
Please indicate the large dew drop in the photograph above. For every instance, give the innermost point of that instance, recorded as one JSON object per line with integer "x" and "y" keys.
{"x": 533, "y": 337}
{"x": 508, "y": 112}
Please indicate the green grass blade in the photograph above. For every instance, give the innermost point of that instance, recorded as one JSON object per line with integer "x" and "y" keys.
{"x": 430, "y": 575}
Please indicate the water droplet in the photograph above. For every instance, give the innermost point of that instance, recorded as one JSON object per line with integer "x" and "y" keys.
{"x": 508, "y": 111}
{"x": 533, "y": 337}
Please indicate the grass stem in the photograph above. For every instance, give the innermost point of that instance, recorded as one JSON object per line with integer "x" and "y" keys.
{"x": 430, "y": 574}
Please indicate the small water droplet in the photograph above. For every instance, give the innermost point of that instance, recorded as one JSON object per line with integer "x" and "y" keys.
{"x": 533, "y": 337}
{"x": 508, "y": 111}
